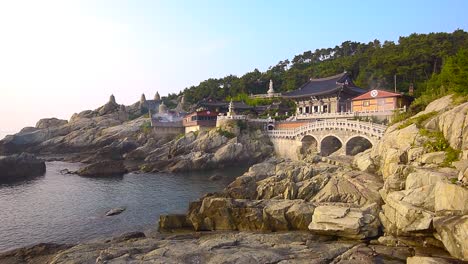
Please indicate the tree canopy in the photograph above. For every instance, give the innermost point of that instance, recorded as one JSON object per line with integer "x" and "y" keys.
{"x": 426, "y": 60}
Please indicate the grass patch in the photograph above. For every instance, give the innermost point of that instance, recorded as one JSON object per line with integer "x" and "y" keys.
{"x": 225, "y": 133}
{"x": 437, "y": 142}
{"x": 146, "y": 127}
{"x": 418, "y": 121}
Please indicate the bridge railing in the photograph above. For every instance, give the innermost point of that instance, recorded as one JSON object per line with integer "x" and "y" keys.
{"x": 380, "y": 112}
{"x": 368, "y": 128}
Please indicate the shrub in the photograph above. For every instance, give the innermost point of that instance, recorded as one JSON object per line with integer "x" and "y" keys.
{"x": 225, "y": 133}
{"x": 419, "y": 120}
{"x": 242, "y": 125}
{"x": 146, "y": 127}
{"x": 437, "y": 142}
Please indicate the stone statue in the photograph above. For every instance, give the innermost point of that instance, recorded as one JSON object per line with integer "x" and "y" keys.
{"x": 270, "y": 88}
{"x": 231, "y": 109}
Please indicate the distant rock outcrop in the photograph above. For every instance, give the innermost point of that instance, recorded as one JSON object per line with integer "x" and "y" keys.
{"x": 20, "y": 166}
{"x": 50, "y": 122}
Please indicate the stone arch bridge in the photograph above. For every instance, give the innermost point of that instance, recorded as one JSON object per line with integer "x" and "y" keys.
{"x": 346, "y": 137}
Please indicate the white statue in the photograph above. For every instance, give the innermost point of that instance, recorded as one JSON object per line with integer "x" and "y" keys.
{"x": 270, "y": 88}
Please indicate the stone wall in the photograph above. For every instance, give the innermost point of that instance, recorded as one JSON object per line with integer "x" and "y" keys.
{"x": 286, "y": 148}
{"x": 166, "y": 131}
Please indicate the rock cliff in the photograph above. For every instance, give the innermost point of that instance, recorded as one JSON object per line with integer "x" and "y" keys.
{"x": 423, "y": 162}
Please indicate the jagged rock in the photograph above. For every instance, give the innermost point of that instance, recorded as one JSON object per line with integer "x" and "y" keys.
{"x": 429, "y": 260}
{"x": 238, "y": 247}
{"x": 433, "y": 157}
{"x": 228, "y": 152}
{"x": 453, "y": 232}
{"x": 438, "y": 105}
{"x": 50, "y": 122}
{"x": 451, "y": 199}
{"x": 421, "y": 177}
{"x": 364, "y": 162}
{"x": 454, "y": 125}
{"x": 173, "y": 221}
{"x": 400, "y": 216}
{"x": 103, "y": 168}
{"x": 17, "y": 167}
{"x": 357, "y": 223}
{"x": 40, "y": 253}
{"x": 216, "y": 213}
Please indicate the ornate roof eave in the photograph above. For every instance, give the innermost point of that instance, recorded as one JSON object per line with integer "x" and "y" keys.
{"x": 314, "y": 94}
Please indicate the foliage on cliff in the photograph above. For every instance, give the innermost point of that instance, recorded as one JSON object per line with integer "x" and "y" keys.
{"x": 416, "y": 59}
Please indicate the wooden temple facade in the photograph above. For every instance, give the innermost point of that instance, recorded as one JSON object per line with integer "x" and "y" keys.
{"x": 325, "y": 95}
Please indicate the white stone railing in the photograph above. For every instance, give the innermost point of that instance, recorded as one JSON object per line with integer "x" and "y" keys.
{"x": 232, "y": 117}
{"x": 348, "y": 114}
{"x": 367, "y": 128}
{"x": 265, "y": 95}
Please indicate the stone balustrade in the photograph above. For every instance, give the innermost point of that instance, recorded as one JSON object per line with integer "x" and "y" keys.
{"x": 351, "y": 126}
{"x": 349, "y": 114}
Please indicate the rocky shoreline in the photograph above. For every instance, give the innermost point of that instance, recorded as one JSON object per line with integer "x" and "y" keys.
{"x": 404, "y": 200}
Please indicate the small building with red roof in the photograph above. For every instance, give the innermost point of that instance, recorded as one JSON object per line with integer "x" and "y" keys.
{"x": 379, "y": 100}
{"x": 200, "y": 120}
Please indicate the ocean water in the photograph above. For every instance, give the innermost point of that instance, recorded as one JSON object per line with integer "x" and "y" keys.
{"x": 70, "y": 209}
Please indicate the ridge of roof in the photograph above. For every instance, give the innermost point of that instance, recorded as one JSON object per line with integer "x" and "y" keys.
{"x": 337, "y": 76}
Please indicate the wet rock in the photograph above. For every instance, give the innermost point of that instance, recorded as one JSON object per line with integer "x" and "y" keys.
{"x": 102, "y": 169}
{"x": 115, "y": 211}
{"x": 215, "y": 177}
{"x": 18, "y": 167}
{"x": 173, "y": 221}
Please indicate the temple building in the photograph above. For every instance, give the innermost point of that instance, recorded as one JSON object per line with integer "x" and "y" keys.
{"x": 325, "y": 95}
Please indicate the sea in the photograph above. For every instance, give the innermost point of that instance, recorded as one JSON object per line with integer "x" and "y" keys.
{"x": 71, "y": 209}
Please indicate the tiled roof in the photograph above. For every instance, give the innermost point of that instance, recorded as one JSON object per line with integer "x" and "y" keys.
{"x": 376, "y": 94}
{"x": 324, "y": 86}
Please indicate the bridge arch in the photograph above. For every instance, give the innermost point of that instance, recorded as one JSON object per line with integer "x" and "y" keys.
{"x": 309, "y": 145}
{"x": 330, "y": 144}
{"x": 357, "y": 144}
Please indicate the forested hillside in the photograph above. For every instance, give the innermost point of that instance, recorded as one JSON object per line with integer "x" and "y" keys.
{"x": 417, "y": 59}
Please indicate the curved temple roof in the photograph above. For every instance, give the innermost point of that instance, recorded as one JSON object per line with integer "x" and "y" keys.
{"x": 324, "y": 86}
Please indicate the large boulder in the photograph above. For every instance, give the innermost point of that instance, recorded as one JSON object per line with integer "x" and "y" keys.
{"x": 20, "y": 166}
{"x": 103, "y": 168}
{"x": 451, "y": 199}
{"x": 453, "y": 232}
{"x": 216, "y": 213}
{"x": 356, "y": 223}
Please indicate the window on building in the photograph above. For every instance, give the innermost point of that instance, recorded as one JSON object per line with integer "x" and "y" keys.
{"x": 381, "y": 101}
{"x": 325, "y": 108}
{"x": 300, "y": 110}
{"x": 315, "y": 108}
{"x": 366, "y": 103}
{"x": 307, "y": 110}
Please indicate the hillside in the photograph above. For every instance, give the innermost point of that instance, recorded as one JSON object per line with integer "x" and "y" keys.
{"x": 416, "y": 59}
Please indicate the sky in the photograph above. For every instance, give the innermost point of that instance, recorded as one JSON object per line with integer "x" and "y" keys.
{"x": 62, "y": 57}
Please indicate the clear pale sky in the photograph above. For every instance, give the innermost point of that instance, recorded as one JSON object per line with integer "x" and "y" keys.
{"x": 61, "y": 57}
